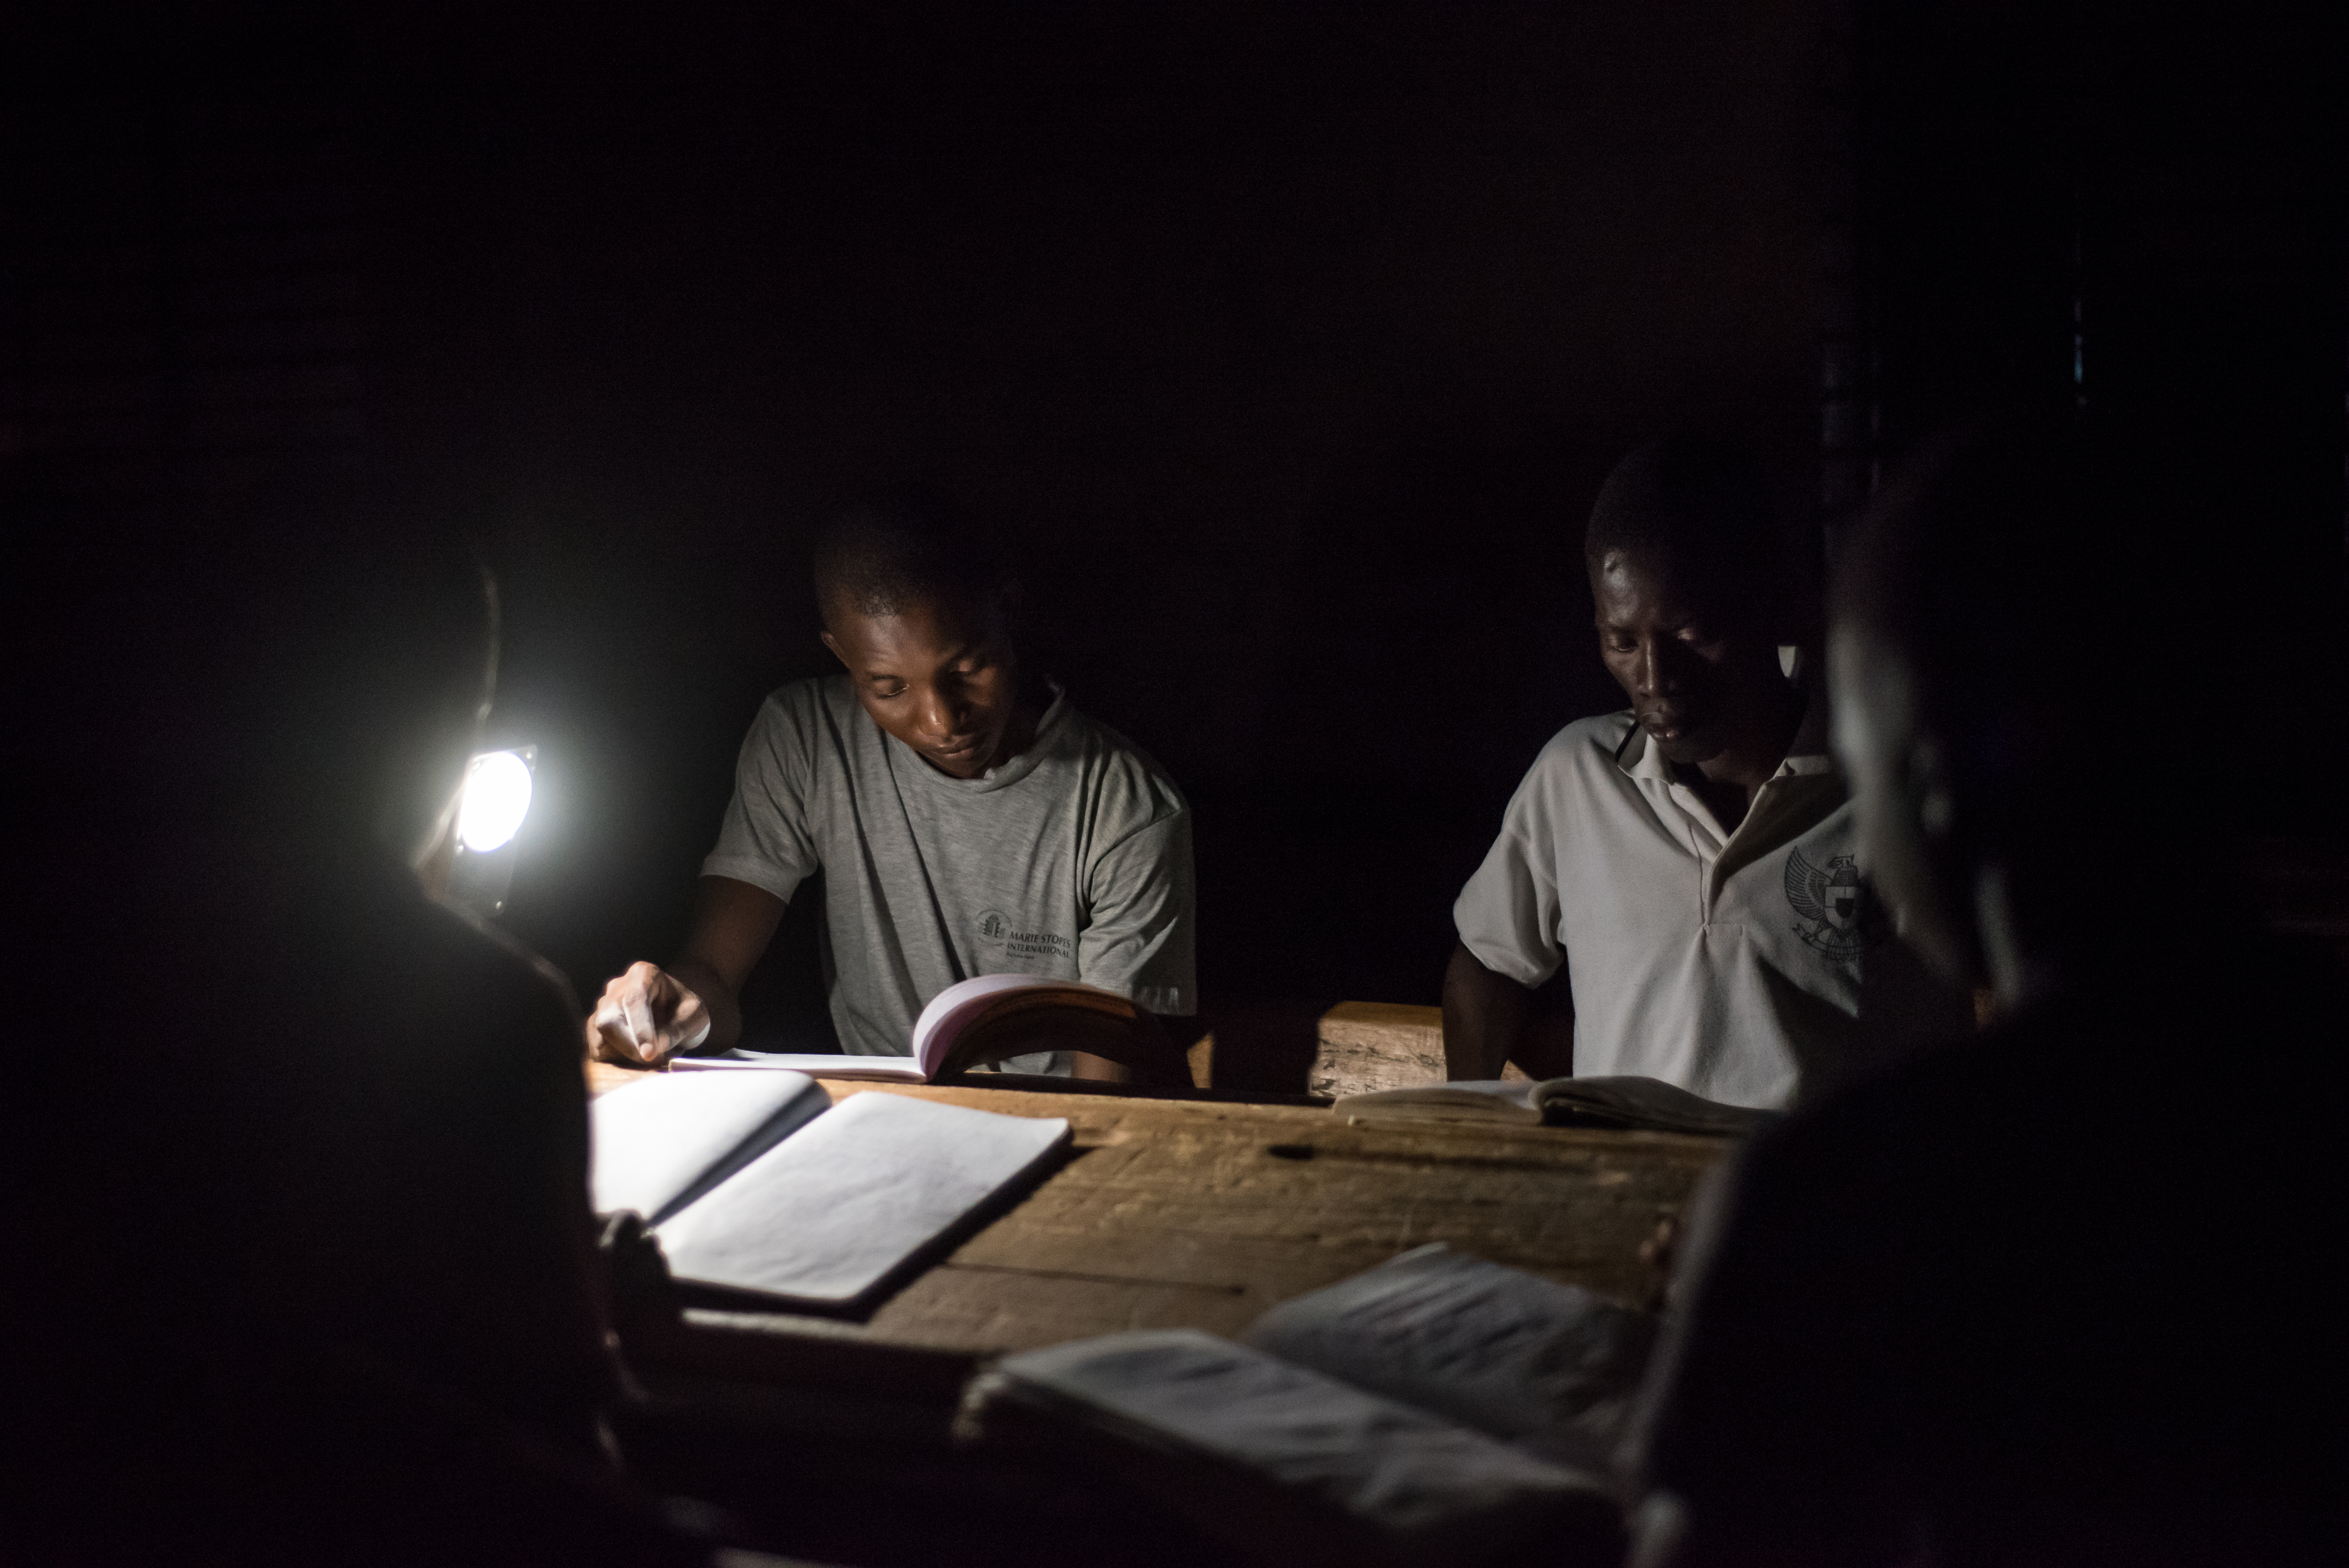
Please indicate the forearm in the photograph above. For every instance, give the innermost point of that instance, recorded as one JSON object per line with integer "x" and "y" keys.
{"x": 1164, "y": 1042}
{"x": 1484, "y": 1017}
{"x": 732, "y": 924}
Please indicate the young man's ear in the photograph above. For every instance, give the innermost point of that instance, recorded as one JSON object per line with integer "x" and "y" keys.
{"x": 833, "y": 644}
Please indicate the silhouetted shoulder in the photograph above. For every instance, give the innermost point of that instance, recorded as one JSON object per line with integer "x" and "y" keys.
{"x": 485, "y": 958}
{"x": 2018, "y": 1270}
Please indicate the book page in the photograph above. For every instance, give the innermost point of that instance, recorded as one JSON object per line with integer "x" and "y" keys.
{"x": 657, "y": 1144}
{"x": 814, "y": 1064}
{"x": 965, "y": 1001}
{"x": 1510, "y": 1099}
{"x": 1645, "y": 1102}
{"x": 829, "y": 1214}
{"x": 1416, "y": 1479}
{"x": 1509, "y": 1352}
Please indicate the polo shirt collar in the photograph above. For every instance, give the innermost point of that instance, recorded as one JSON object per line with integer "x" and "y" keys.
{"x": 1808, "y": 752}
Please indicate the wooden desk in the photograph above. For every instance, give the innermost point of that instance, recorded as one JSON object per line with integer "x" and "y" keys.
{"x": 1168, "y": 1213}
{"x": 1200, "y": 1214}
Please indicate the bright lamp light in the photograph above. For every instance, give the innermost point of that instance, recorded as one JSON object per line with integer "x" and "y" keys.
{"x": 496, "y": 799}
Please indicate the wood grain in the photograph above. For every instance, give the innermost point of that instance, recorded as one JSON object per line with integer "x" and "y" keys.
{"x": 1184, "y": 1213}
{"x": 1365, "y": 1046}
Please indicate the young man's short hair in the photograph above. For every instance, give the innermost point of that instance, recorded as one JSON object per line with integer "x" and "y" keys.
{"x": 1700, "y": 506}
{"x": 912, "y": 544}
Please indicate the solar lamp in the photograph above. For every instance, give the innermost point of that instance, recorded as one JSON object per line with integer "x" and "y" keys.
{"x": 491, "y": 806}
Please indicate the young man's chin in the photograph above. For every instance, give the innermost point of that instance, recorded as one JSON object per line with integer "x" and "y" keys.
{"x": 1688, "y": 749}
{"x": 970, "y": 763}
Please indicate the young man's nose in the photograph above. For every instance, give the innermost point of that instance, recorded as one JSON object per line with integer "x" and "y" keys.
{"x": 1663, "y": 666}
{"x": 1646, "y": 669}
{"x": 944, "y": 713}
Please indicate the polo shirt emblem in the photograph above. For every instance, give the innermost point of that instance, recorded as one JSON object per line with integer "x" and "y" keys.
{"x": 1838, "y": 914}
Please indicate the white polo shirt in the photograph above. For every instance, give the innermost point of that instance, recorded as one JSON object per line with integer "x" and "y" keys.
{"x": 1730, "y": 964}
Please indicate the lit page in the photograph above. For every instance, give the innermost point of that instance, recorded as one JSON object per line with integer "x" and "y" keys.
{"x": 661, "y": 1143}
{"x": 828, "y": 1215}
{"x": 1413, "y": 1478}
{"x": 1513, "y": 1354}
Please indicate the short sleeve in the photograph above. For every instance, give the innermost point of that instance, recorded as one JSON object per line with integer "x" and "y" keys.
{"x": 1139, "y": 936}
{"x": 1507, "y": 915}
{"x": 765, "y": 839}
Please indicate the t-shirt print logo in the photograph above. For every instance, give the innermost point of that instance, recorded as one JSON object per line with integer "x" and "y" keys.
{"x": 996, "y": 929}
{"x": 1838, "y": 914}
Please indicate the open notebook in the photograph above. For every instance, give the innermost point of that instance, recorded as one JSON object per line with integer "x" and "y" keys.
{"x": 982, "y": 1019}
{"x": 757, "y": 1183}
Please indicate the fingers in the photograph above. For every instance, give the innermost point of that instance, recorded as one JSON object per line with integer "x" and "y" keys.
{"x": 644, "y": 1016}
{"x": 636, "y": 1019}
{"x": 623, "y": 1026}
{"x": 608, "y": 1034}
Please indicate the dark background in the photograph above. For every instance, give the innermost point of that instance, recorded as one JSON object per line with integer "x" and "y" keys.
{"x": 1289, "y": 343}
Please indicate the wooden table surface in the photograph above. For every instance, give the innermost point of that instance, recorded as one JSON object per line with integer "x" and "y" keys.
{"x": 1204, "y": 1214}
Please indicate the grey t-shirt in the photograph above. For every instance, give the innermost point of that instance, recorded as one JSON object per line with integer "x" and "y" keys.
{"x": 1072, "y": 859}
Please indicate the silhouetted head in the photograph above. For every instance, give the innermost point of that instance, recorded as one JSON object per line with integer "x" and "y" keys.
{"x": 291, "y": 696}
{"x": 1689, "y": 576}
{"x": 1998, "y": 657}
{"x": 271, "y": 721}
{"x": 917, "y": 607}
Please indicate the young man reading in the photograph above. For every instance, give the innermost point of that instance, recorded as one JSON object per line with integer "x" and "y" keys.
{"x": 966, "y": 819}
{"x": 1690, "y": 861}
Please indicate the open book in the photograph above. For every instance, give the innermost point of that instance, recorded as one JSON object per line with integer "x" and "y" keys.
{"x": 1550, "y": 1367}
{"x": 756, "y": 1184}
{"x": 1438, "y": 1408}
{"x": 987, "y": 1018}
{"x": 1645, "y": 1103}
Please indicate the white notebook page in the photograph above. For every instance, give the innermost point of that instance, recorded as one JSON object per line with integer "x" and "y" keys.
{"x": 822, "y": 1065}
{"x": 654, "y": 1141}
{"x": 827, "y": 1214}
{"x": 1401, "y": 1470}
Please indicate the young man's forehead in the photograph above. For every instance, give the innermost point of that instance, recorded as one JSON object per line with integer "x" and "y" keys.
{"x": 931, "y": 628}
{"x": 1661, "y": 582}
{"x": 943, "y": 606}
